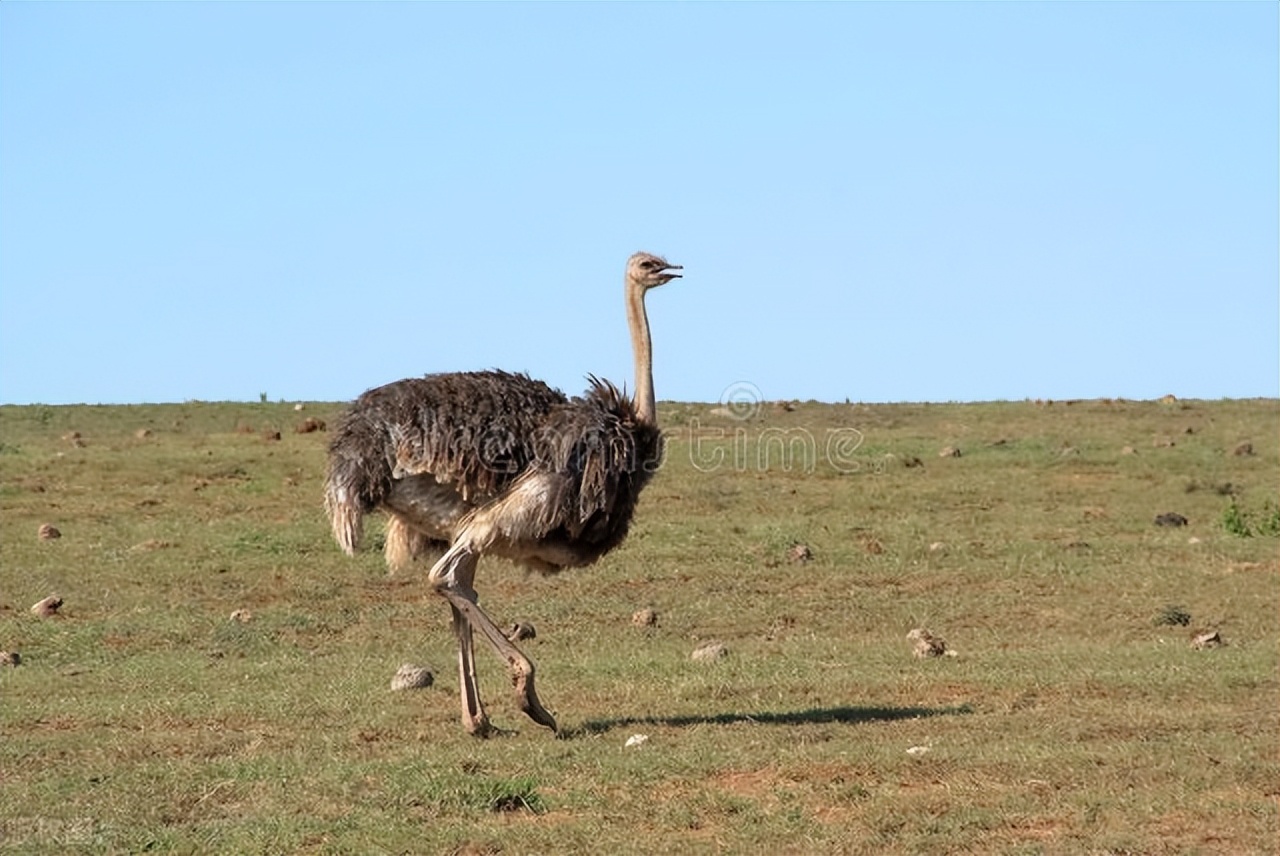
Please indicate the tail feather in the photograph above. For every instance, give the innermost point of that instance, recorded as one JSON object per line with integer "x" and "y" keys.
{"x": 358, "y": 478}
{"x": 345, "y": 516}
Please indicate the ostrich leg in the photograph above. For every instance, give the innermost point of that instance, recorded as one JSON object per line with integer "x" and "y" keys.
{"x": 452, "y": 577}
{"x": 473, "y": 715}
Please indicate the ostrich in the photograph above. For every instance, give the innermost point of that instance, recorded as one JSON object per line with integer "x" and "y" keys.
{"x": 495, "y": 463}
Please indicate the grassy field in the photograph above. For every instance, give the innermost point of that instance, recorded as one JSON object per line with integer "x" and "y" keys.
{"x": 1074, "y": 718}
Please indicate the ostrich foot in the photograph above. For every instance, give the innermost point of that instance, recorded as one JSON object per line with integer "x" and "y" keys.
{"x": 527, "y": 698}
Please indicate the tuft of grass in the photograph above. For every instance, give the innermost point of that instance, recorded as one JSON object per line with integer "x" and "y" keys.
{"x": 1234, "y": 522}
{"x": 1173, "y": 616}
{"x": 1265, "y": 522}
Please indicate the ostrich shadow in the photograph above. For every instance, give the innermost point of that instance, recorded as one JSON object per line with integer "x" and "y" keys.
{"x": 813, "y": 716}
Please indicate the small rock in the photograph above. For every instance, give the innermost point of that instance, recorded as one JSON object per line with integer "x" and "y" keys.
{"x": 1244, "y": 450}
{"x": 799, "y": 553}
{"x": 242, "y": 616}
{"x": 928, "y": 644}
{"x": 10, "y": 658}
{"x": 949, "y": 452}
{"x": 1207, "y": 639}
{"x": 645, "y": 618}
{"x": 48, "y": 607}
{"x": 521, "y": 630}
{"x": 411, "y": 677}
{"x": 48, "y": 532}
{"x": 1170, "y": 518}
{"x": 636, "y": 740}
{"x": 709, "y": 652}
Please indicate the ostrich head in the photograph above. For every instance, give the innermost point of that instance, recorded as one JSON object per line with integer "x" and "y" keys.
{"x": 650, "y": 271}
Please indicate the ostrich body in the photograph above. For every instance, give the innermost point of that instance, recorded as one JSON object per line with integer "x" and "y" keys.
{"x": 494, "y": 463}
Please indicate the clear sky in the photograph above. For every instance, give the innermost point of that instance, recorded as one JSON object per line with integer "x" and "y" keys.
{"x": 872, "y": 201}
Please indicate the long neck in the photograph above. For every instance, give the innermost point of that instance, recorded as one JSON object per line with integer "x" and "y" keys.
{"x": 642, "y": 351}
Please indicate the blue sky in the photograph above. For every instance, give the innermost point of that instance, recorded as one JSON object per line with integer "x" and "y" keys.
{"x": 872, "y": 201}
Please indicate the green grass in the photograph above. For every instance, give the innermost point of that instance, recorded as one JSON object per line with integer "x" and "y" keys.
{"x": 1075, "y": 717}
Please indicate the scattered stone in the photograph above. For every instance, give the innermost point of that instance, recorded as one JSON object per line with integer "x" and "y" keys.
{"x": 411, "y": 677}
{"x": 310, "y": 425}
{"x": 709, "y": 652}
{"x": 799, "y": 553}
{"x": 521, "y": 630}
{"x": 949, "y": 452}
{"x": 928, "y": 644}
{"x": 636, "y": 740}
{"x": 1244, "y": 450}
{"x": 10, "y": 658}
{"x": 48, "y": 532}
{"x": 1208, "y": 639}
{"x": 242, "y": 616}
{"x": 48, "y": 607}
{"x": 1170, "y": 518}
{"x": 645, "y": 618}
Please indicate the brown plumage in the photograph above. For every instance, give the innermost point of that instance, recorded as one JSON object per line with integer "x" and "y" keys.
{"x": 495, "y": 463}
